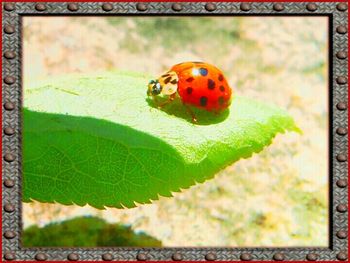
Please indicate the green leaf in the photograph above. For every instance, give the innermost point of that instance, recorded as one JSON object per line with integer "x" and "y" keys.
{"x": 98, "y": 140}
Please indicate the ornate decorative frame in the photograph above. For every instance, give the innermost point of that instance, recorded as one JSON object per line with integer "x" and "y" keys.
{"x": 11, "y": 138}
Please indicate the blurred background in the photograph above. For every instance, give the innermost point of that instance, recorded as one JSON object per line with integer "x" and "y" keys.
{"x": 278, "y": 197}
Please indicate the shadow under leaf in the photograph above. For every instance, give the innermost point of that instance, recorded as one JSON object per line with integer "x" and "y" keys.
{"x": 86, "y": 231}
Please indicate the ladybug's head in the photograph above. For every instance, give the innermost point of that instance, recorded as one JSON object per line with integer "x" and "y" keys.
{"x": 166, "y": 84}
{"x": 154, "y": 88}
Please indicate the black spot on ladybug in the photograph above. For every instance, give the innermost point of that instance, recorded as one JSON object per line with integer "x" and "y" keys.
{"x": 189, "y": 90}
{"x": 221, "y": 77}
{"x": 166, "y": 75}
{"x": 203, "y": 71}
{"x": 174, "y": 81}
{"x": 167, "y": 80}
{"x": 222, "y": 88}
{"x": 203, "y": 101}
{"x": 221, "y": 100}
{"x": 190, "y": 79}
{"x": 211, "y": 84}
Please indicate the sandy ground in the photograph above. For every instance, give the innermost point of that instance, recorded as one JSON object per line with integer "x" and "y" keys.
{"x": 276, "y": 198}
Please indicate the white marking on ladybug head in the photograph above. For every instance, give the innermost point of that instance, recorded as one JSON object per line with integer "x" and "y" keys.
{"x": 154, "y": 88}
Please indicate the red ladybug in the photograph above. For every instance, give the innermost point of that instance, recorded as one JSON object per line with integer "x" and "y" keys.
{"x": 197, "y": 83}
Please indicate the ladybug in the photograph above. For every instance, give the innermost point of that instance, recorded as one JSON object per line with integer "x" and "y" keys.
{"x": 197, "y": 84}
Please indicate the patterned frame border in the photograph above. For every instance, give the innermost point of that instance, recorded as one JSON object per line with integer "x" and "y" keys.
{"x": 11, "y": 139}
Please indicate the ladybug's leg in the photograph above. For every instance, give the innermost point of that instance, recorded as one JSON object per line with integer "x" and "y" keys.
{"x": 171, "y": 98}
{"x": 216, "y": 112}
{"x": 194, "y": 119}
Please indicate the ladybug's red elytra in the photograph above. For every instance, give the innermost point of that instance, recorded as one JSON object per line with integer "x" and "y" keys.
{"x": 197, "y": 83}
